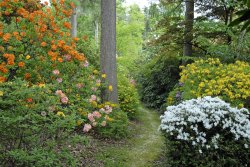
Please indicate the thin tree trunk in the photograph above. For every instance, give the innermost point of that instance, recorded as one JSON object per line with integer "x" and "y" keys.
{"x": 188, "y": 34}
{"x": 108, "y": 49}
{"x": 96, "y": 33}
{"x": 74, "y": 24}
{"x": 230, "y": 19}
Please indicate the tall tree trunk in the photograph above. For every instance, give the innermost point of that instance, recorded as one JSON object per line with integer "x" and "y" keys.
{"x": 96, "y": 33}
{"x": 108, "y": 49}
{"x": 74, "y": 24}
{"x": 188, "y": 31}
{"x": 230, "y": 19}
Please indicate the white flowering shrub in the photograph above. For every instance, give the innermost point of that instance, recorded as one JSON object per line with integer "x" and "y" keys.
{"x": 209, "y": 126}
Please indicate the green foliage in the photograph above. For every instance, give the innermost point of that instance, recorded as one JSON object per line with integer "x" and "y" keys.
{"x": 129, "y": 29}
{"x": 157, "y": 78}
{"x": 128, "y": 97}
{"x": 90, "y": 50}
{"x": 31, "y": 129}
{"x": 117, "y": 127}
{"x": 243, "y": 17}
{"x": 180, "y": 153}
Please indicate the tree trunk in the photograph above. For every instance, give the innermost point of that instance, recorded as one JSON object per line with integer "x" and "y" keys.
{"x": 96, "y": 33}
{"x": 188, "y": 34}
{"x": 108, "y": 50}
{"x": 74, "y": 24}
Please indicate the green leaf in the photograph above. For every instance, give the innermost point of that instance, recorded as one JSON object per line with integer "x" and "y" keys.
{"x": 245, "y": 25}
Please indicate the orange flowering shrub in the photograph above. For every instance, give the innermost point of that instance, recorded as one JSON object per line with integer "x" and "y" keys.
{"x": 35, "y": 45}
{"x": 35, "y": 37}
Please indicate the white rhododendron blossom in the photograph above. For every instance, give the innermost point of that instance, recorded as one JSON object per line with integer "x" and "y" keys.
{"x": 204, "y": 121}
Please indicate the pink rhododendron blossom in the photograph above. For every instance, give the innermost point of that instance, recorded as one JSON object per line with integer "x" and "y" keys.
{"x": 108, "y": 111}
{"x": 87, "y": 127}
{"x": 93, "y": 98}
{"x": 79, "y": 85}
{"x": 97, "y": 114}
{"x": 67, "y": 57}
{"x": 86, "y": 64}
{"x": 102, "y": 110}
{"x": 59, "y": 80}
{"x": 91, "y": 117}
{"x": 59, "y": 92}
{"x": 56, "y": 72}
{"x": 64, "y": 100}
{"x": 106, "y": 107}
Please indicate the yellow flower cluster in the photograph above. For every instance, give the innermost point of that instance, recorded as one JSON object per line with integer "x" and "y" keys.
{"x": 212, "y": 78}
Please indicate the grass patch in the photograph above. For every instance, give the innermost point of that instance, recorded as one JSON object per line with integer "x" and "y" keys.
{"x": 141, "y": 149}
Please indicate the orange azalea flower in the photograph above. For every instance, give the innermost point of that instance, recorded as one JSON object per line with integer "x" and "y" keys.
{"x": 15, "y": 33}
{"x": 61, "y": 43}
{"x": 53, "y": 47}
{"x": 61, "y": 2}
{"x": 6, "y": 37}
{"x": 3, "y": 69}
{"x": 43, "y": 44}
{"x": 76, "y": 39}
{"x": 23, "y": 34}
{"x": 60, "y": 60}
{"x": 7, "y": 13}
{"x": 67, "y": 34}
{"x": 21, "y": 64}
{"x": 27, "y": 76}
{"x": 72, "y": 5}
{"x": 2, "y": 79}
{"x": 18, "y": 19}
{"x": 67, "y": 25}
{"x": 29, "y": 100}
{"x": 10, "y": 58}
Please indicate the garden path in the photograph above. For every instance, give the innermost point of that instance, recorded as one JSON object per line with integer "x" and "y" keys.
{"x": 142, "y": 149}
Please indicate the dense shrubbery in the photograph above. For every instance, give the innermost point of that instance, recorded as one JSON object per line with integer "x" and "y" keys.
{"x": 33, "y": 126}
{"x": 210, "y": 77}
{"x": 206, "y": 132}
{"x": 128, "y": 97}
{"x": 157, "y": 79}
{"x": 117, "y": 126}
{"x": 48, "y": 90}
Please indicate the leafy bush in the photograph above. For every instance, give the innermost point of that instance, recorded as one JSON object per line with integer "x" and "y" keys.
{"x": 207, "y": 132}
{"x": 210, "y": 77}
{"x": 128, "y": 97}
{"x": 31, "y": 32}
{"x": 157, "y": 79}
{"x": 33, "y": 126}
{"x": 117, "y": 126}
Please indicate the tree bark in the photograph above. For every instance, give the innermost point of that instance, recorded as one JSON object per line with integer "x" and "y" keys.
{"x": 74, "y": 24}
{"x": 108, "y": 50}
{"x": 188, "y": 31}
{"x": 96, "y": 33}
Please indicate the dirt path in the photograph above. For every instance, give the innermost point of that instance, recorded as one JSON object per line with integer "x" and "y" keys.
{"x": 142, "y": 149}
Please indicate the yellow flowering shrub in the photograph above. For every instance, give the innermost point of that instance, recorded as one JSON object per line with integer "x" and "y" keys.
{"x": 210, "y": 77}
